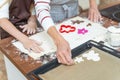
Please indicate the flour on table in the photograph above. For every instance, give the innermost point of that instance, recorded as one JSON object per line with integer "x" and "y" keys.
{"x": 47, "y": 44}
{"x": 73, "y": 38}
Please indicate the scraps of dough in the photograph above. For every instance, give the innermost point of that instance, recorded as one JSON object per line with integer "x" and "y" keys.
{"x": 77, "y": 21}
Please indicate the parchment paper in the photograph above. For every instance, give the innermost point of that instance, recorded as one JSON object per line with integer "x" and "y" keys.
{"x": 108, "y": 68}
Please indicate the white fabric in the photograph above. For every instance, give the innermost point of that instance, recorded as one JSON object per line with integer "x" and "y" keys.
{"x": 4, "y": 9}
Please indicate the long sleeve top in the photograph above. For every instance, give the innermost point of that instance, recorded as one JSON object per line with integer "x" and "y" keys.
{"x": 42, "y": 8}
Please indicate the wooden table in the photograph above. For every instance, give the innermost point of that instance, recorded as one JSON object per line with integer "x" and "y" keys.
{"x": 11, "y": 52}
{"x": 26, "y": 66}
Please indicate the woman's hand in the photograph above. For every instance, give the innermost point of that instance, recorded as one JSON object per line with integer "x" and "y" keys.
{"x": 63, "y": 49}
{"x": 94, "y": 15}
{"x": 64, "y": 52}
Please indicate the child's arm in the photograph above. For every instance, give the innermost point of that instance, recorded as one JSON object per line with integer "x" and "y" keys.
{"x": 30, "y": 28}
{"x": 11, "y": 29}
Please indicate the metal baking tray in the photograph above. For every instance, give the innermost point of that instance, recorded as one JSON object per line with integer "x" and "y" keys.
{"x": 105, "y": 69}
{"x": 112, "y": 12}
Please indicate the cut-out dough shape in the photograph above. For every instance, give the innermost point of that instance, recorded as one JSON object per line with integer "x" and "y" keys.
{"x": 77, "y": 21}
{"x": 91, "y": 55}
{"x": 89, "y": 24}
{"x": 78, "y": 59}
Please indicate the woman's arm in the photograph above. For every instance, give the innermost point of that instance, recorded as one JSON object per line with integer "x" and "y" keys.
{"x": 43, "y": 14}
{"x": 63, "y": 49}
{"x": 94, "y": 14}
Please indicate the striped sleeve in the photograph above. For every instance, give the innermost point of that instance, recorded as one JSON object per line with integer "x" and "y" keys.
{"x": 43, "y": 13}
{"x": 4, "y": 9}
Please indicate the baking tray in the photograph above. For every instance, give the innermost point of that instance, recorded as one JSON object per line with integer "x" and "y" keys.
{"x": 105, "y": 69}
{"x": 112, "y": 12}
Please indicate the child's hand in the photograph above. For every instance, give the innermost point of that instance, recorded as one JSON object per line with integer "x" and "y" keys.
{"x": 30, "y": 28}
